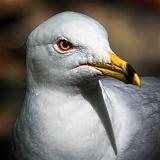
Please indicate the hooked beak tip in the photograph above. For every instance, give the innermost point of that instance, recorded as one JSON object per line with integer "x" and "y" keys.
{"x": 132, "y": 76}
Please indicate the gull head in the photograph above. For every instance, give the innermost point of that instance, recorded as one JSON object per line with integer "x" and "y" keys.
{"x": 73, "y": 49}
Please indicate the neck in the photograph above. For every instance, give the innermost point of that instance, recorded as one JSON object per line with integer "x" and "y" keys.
{"x": 87, "y": 86}
{"x": 89, "y": 91}
{"x": 58, "y": 97}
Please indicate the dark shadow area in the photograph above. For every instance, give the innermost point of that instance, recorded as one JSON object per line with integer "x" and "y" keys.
{"x": 5, "y": 149}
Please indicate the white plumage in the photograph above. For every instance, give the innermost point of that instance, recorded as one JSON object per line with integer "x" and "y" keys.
{"x": 68, "y": 113}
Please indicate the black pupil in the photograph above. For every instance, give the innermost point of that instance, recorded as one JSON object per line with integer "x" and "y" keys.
{"x": 65, "y": 44}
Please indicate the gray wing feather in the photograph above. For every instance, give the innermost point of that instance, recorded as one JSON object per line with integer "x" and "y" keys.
{"x": 145, "y": 102}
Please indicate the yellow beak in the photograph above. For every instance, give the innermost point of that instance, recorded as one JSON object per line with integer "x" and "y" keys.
{"x": 119, "y": 69}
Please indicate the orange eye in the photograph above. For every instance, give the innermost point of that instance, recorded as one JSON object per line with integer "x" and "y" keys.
{"x": 64, "y": 45}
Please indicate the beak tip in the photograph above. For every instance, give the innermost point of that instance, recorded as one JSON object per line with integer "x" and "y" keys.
{"x": 133, "y": 76}
{"x": 136, "y": 80}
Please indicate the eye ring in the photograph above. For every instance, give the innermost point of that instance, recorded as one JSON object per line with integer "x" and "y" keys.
{"x": 64, "y": 45}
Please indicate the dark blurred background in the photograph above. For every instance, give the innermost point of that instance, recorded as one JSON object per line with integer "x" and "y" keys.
{"x": 134, "y": 33}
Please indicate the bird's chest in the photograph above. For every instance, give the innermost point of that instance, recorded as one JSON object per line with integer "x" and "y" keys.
{"x": 69, "y": 129}
{"x": 74, "y": 125}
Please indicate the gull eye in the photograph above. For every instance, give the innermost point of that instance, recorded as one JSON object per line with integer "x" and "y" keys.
{"x": 64, "y": 45}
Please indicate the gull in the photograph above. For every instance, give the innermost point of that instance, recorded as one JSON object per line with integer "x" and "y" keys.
{"x": 73, "y": 108}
